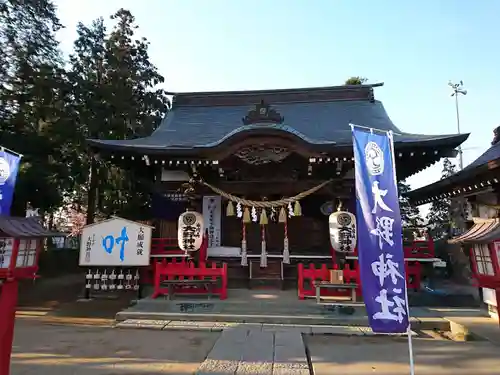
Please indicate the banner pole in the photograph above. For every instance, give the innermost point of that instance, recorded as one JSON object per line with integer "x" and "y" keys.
{"x": 3, "y": 149}
{"x": 372, "y": 129}
{"x": 408, "y": 331}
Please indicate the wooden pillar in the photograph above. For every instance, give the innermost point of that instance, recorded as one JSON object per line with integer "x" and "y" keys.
{"x": 497, "y": 293}
{"x": 8, "y": 303}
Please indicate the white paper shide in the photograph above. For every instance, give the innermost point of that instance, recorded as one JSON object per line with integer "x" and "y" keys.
{"x": 115, "y": 242}
{"x": 190, "y": 231}
{"x": 342, "y": 226}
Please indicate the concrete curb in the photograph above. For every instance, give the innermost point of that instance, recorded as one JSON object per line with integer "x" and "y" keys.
{"x": 70, "y": 321}
{"x": 220, "y": 327}
{"x": 461, "y": 332}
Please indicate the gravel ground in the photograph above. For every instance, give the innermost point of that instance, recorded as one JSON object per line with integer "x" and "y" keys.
{"x": 42, "y": 349}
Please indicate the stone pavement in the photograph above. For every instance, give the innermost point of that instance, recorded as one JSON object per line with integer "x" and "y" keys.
{"x": 254, "y": 352}
{"x": 237, "y": 349}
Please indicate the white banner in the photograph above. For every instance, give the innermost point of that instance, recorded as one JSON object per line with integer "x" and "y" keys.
{"x": 115, "y": 242}
{"x": 212, "y": 216}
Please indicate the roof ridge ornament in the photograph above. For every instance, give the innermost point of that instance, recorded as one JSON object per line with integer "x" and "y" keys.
{"x": 263, "y": 113}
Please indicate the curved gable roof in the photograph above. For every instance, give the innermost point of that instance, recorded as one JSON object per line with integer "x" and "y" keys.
{"x": 319, "y": 116}
{"x": 316, "y": 122}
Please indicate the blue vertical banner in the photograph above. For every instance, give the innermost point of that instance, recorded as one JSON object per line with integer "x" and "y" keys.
{"x": 380, "y": 238}
{"x": 9, "y": 166}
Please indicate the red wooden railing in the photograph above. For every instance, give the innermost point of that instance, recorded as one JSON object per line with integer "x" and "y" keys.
{"x": 165, "y": 246}
{"x": 307, "y": 276}
{"x": 420, "y": 249}
{"x": 186, "y": 270}
{"x": 169, "y": 247}
{"x": 417, "y": 249}
{"x": 423, "y": 249}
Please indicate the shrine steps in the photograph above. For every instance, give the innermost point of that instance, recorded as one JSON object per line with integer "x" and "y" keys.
{"x": 279, "y": 311}
{"x": 266, "y": 283}
{"x": 416, "y": 324}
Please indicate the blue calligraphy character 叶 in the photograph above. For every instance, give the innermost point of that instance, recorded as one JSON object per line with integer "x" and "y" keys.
{"x": 122, "y": 240}
{"x": 108, "y": 243}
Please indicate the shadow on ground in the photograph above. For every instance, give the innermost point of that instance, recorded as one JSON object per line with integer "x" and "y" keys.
{"x": 57, "y": 298}
{"x": 41, "y": 349}
{"x": 389, "y": 356}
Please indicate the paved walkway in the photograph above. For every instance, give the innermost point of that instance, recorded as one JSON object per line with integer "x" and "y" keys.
{"x": 177, "y": 347}
{"x": 255, "y": 352}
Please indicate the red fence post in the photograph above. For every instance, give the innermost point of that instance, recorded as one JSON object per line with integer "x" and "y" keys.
{"x": 223, "y": 294}
{"x": 418, "y": 275}
{"x": 300, "y": 281}
{"x": 157, "y": 281}
{"x": 8, "y": 303}
{"x": 187, "y": 270}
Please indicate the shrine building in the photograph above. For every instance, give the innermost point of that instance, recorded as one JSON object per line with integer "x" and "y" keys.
{"x": 478, "y": 185}
{"x": 265, "y": 169}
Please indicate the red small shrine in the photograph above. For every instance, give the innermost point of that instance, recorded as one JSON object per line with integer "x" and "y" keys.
{"x": 21, "y": 241}
{"x": 479, "y": 185}
{"x": 266, "y": 168}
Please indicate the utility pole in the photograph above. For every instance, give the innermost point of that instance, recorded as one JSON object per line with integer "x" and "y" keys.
{"x": 458, "y": 89}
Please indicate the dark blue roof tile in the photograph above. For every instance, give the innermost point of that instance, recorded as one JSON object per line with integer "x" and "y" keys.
{"x": 317, "y": 123}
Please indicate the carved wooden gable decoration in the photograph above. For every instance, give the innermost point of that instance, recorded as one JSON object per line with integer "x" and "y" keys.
{"x": 263, "y": 113}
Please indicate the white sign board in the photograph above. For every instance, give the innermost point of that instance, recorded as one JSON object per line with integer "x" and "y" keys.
{"x": 490, "y": 297}
{"x": 224, "y": 251}
{"x": 115, "y": 242}
{"x": 212, "y": 218}
{"x": 439, "y": 264}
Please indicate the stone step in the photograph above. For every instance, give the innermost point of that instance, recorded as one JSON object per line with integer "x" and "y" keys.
{"x": 427, "y": 323}
{"x": 225, "y": 326}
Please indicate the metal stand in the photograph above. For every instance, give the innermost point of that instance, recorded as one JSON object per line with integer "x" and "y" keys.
{"x": 86, "y": 293}
{"x": 139, "y": 292}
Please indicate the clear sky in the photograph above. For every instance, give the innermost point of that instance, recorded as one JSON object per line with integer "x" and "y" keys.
{"x": 414, "y": 47}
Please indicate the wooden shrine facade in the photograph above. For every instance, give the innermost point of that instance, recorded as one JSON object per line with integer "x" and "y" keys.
{"x": 265, "y": 146}
{"x": 477, "y": 186}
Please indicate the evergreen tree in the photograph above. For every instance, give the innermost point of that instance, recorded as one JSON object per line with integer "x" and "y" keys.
{"x": 32, "y": 97}
{"x": 356, "y": 80}
{"x": 410, "y": 215}
{"x": 438, "y": 218}
{"x": 115, "y": 98}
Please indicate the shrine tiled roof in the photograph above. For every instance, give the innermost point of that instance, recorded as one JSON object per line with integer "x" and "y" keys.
{"x": 24, "y": 227}
{"x": 317, "y": 116}
{"x": 483, "y": 231}
{"x": 470, "y": 176}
